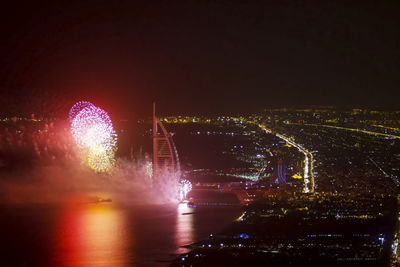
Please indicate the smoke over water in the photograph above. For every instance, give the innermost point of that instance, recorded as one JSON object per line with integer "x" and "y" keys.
{"x": 40, "y": 162}
{"x": 73, "y": 181}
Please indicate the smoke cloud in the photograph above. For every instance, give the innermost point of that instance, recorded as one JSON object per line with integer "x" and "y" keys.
{"x": 42, "y": 165}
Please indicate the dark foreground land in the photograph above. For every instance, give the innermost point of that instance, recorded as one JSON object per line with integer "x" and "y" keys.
{"x": 306, "y": 229}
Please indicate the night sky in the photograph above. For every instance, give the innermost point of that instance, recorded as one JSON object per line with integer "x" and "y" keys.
{"x": 198, "y": 56}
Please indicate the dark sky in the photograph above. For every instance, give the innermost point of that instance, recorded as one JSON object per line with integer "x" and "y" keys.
{"x": 198, "y": 56}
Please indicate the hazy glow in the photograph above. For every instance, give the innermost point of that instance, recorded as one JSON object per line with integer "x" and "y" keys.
{"x": 93, "y": 131}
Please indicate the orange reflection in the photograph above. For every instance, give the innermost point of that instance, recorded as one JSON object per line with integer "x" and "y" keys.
{"x": 184, "y": 227}
{"x": 93, "y": 235}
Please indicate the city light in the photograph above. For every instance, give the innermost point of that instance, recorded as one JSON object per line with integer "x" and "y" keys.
{"x": 308, "y": 159}
{"x": 354, "y": 130}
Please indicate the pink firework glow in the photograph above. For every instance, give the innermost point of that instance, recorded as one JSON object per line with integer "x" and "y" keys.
{"x": 93, "y": 132}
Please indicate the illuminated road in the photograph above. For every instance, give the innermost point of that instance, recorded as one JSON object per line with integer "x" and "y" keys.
{"x": 395, "y": 180}
{"x": 308, "y": 174}
{"x": 349, "y": 129}
{"x": 308, "y": 160}
{"x": 386, "y": 127}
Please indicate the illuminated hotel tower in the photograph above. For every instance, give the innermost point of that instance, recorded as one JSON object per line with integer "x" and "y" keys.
{"x": 165, "y": 156}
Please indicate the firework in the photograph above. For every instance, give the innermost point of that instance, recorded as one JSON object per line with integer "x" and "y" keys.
{"x": 100, "y": 159}
{"x": 91, "y": 127}
{"x": 77, "y": 108}
{"x": 149, "y": 169}
{"x": 93, "y": 132}
{"x": 185, "y": 186}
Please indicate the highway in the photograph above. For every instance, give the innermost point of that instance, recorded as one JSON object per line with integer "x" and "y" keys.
{"x": 308, "y": 174}
{"x": 349, "y": 129}
{"x": 391, "y": 136}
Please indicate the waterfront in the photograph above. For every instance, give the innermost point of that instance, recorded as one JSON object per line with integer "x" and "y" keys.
{"x": 104, "y": 234}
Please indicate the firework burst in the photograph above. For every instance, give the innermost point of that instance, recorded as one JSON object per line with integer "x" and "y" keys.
{"x": 100, "y": 159}
{"x": 77, "y": 108}
{"x": 93, "y": 132}
{"x": 185, "y": 186}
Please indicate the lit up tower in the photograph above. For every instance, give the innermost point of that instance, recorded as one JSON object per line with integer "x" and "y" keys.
{"x": 281, "y": 173}
{"x": 165, "y": 156}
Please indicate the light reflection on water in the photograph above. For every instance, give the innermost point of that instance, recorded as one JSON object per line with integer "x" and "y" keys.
{"x": 93, "y": 235}
{"x": 184, "y": 227}
{"x": 96, "y": 235}
{"x": 104, "y": 234}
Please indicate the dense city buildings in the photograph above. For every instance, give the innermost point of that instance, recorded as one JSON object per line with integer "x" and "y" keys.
{"x": 315, "y": 186}
{"x": 341, "y": 171}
